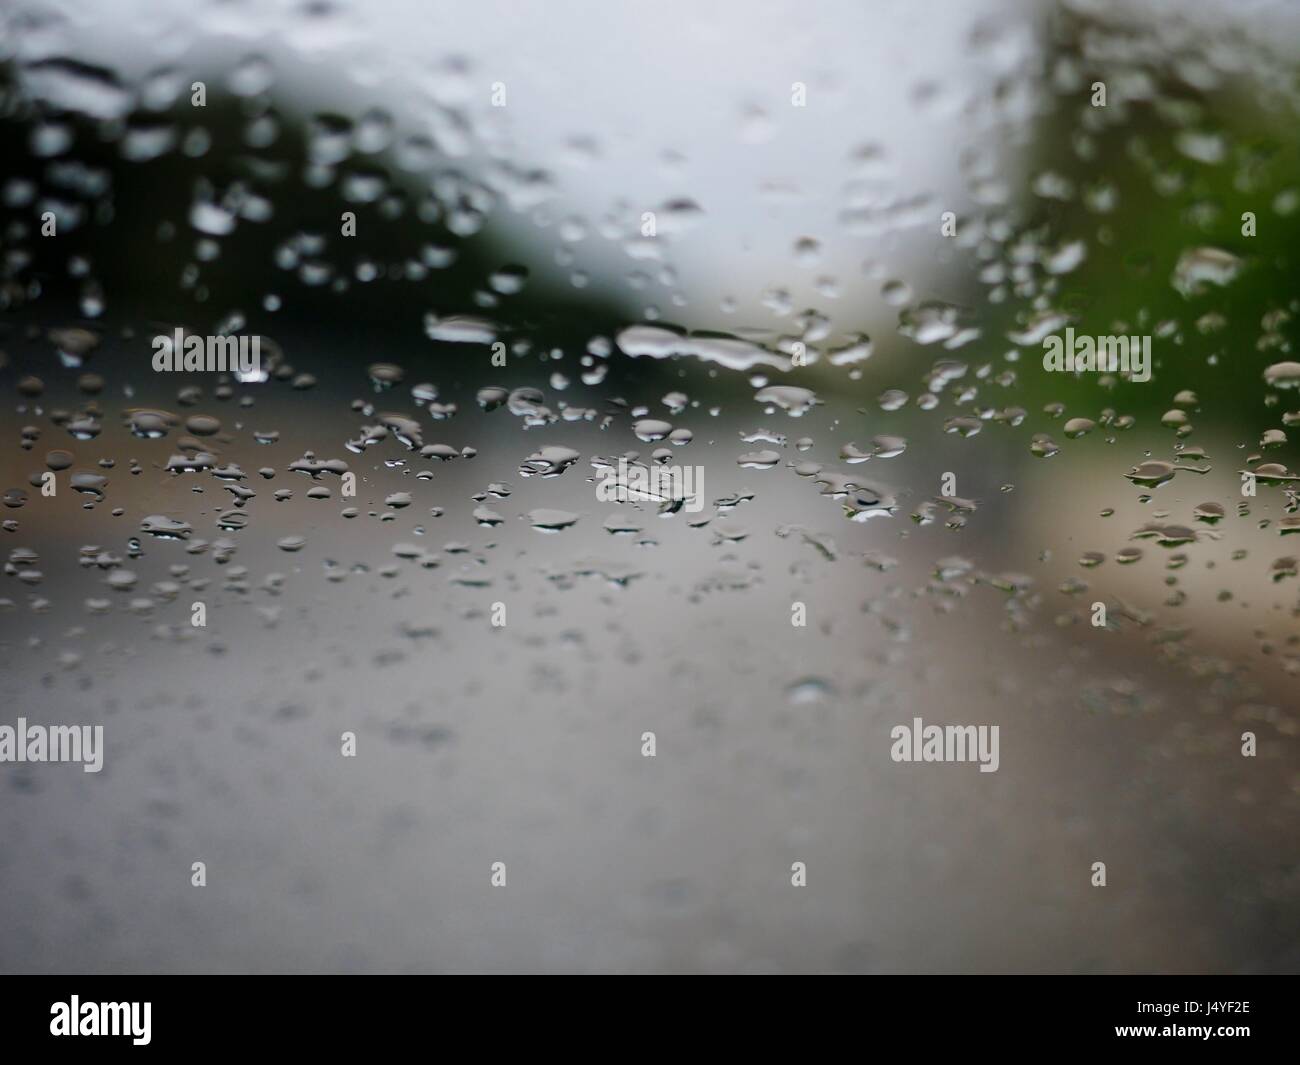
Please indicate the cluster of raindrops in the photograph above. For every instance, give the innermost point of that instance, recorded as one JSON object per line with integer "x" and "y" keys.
{"x": 852, "y": 415}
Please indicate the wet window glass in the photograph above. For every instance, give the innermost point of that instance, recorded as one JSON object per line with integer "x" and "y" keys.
{"x": 769, "y": 488}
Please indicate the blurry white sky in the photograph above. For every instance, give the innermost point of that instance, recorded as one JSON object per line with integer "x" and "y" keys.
{"x": 669, "y": 100}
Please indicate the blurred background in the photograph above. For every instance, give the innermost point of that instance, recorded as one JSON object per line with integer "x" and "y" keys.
{"x": 651, "y": 209}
